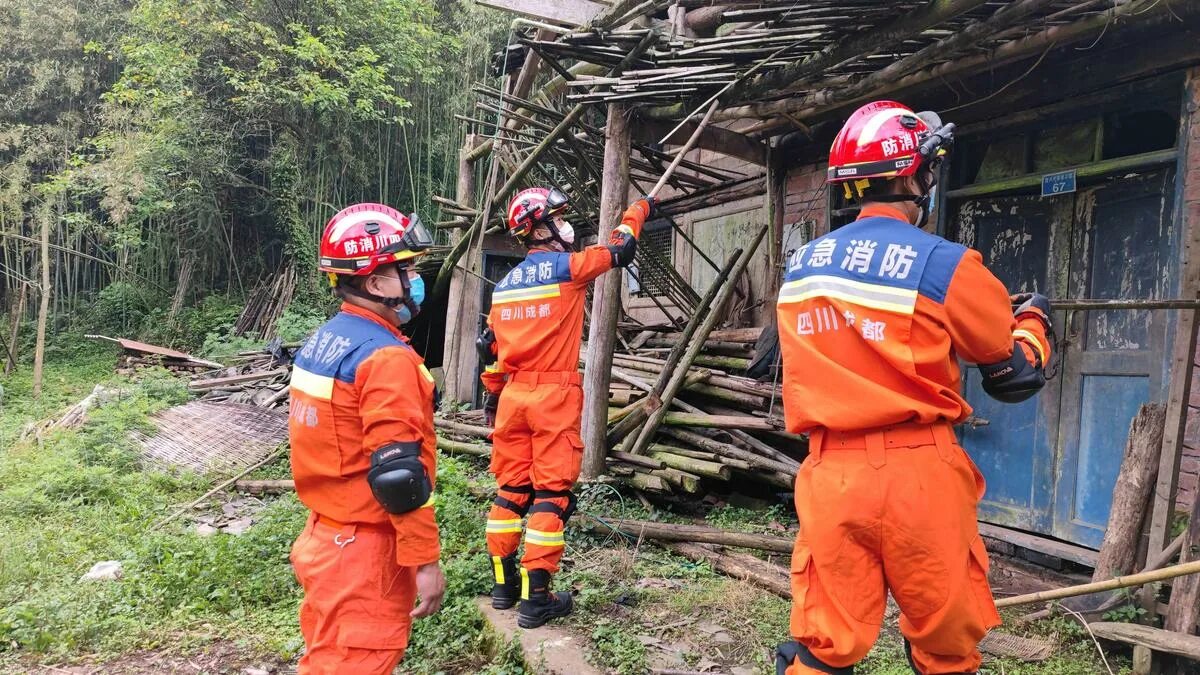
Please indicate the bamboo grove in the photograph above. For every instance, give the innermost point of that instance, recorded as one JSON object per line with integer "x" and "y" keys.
{"x": 177, "y": 154}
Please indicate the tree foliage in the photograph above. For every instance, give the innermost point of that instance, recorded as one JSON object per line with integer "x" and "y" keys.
{"x": 154, "y": 132}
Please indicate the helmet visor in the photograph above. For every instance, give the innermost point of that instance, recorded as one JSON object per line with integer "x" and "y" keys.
{"x": 418, "y": 237}
{"x": 556, "y": 202}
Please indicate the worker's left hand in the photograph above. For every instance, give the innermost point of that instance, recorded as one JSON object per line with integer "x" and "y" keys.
{"x": 1031, "y": 303}
{"x": 431, "y": 586}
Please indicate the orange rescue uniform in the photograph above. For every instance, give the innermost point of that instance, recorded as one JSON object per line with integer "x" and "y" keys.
{"x": 356, "y": 386}
{"x": 537, "y": 316}
{"x": 872, "y": 320}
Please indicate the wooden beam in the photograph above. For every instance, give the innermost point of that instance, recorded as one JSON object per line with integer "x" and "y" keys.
{"x": 606, "y": 298}
{"x": 459, "y": 363}
{"x": 716, "y": 139}
{"x": 1107, "y": 166}
{"x": 1187, "y": 646}
{"x": 705, "y": 20}
{"x": 1033, "y": 542}
{"x": 863, "y": 44}
{"x": 568, "y": 12}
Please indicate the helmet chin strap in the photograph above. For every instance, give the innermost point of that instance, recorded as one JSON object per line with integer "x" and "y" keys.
{"x": 922, "y": 200}
{"x": 554, "y": 236}
{"x": 391, "y": 303}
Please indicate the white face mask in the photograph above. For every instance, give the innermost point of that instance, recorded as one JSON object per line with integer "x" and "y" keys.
{"x": 565, "y": 231}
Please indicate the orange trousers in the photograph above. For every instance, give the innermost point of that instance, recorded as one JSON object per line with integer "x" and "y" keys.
{"x": 889, "y": 510}
{"x": 536, "y": 456}
{"x": 354, "y": 616}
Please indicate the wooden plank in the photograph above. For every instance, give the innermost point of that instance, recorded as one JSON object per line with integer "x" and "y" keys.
{"x": 1187, "y": 646}
{"x": 1033, "y": 542}
{"x": 568, "y": 12}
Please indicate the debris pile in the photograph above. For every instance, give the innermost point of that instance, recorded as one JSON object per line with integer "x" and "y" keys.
{"x": 258, "y": 378}
{"x": 721, "y": 427}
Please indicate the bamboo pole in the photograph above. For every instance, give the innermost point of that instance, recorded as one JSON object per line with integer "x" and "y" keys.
{"x": 687, "y": 147}
{"x": 695, "y": 344}
{"x": 691, "y": 533}
{"x": 457, "y": 448}
{"x": 241, "y": 474}
{"x": 1096, "y": 587}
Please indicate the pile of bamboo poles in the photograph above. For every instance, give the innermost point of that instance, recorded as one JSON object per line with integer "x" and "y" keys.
{"x": 721, "y": 428}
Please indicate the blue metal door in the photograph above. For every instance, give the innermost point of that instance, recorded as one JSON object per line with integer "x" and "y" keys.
{"x": 1114, "y": 361}
{"x": 1013, "y": 445}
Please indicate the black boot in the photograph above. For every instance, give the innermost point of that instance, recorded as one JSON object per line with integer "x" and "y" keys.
{"x": 507, "y": 589}
{"x": 538, "y": 603}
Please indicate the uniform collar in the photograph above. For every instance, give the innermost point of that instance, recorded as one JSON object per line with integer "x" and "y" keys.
{"x": 875, "y": 209}
{"x": 367, "y": 314}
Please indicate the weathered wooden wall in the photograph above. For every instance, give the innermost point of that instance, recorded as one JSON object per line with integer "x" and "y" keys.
{"x": 1189, "y": 465}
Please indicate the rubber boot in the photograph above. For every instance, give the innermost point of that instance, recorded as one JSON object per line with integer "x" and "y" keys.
{"x": 507, "y": 589}
{"x": 538, "y": 603}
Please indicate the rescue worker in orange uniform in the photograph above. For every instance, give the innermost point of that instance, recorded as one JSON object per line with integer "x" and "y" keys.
{"x": 363, "y": 452}
{"x": 534, "y": 397}
{"x": 873, "y": 318}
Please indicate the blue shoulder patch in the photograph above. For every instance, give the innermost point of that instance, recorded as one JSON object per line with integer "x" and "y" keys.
{"x": 338, "y": 347}
{"x": 539, "y": 268}
{"x": 881, "y": 251}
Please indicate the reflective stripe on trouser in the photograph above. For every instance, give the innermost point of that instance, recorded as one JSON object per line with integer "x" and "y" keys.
{"x": 354, "y": 616}
{"x": 892, "y": 518}
{"x": 537, "y": 442}
{"x": 505, "y": 518}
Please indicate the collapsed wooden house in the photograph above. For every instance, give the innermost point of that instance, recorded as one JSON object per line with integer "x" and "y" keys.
{"x": 1076, "y": 173}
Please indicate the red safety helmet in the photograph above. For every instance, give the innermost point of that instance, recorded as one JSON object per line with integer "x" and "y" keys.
{"x": 885, "y": 139}
{"x": 532, "y": 207}
{"x": 362, "y": 237}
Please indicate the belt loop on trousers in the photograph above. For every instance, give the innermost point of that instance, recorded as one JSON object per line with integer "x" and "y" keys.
{"x": 876, "y": 455}
{"x": 816, "y": 438}
{"x": 943, "y": 438}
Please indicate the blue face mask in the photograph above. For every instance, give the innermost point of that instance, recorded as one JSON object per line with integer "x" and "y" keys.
{"x": 417, "y": 293}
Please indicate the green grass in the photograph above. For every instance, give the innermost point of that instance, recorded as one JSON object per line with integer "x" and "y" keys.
{"x": 80, "y": 497}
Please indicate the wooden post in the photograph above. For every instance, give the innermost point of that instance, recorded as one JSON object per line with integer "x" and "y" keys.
{"x": 1184, "y": 610}
{"x": 1182, "y": 366}
{"x": 462, "y": 309}
{"x": 606, "y": 298}
{"x": 1131, "y": 496}
{"x": 39, "y": 354}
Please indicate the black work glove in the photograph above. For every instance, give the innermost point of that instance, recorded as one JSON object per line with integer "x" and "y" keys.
{"x": 491, "y": 403}
{"x": 1033, "y": 303}
{"x": 652, "y": 203}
